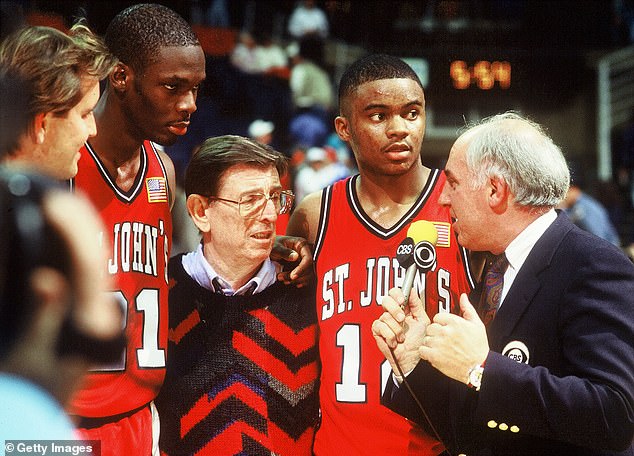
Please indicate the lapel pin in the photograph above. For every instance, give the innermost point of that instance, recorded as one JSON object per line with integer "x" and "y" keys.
{"x": 517, "y": 351}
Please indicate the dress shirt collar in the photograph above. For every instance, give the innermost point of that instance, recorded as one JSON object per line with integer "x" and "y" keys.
{"x": 199, "y": 269}
{"x": 519, "y": 248}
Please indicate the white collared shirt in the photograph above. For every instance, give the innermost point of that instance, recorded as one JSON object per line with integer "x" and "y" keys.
{"x": 519, "y": 248}
{"x": 199, "y": 269}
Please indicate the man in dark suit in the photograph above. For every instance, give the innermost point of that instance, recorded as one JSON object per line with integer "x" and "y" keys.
{"x": 552, "y": 370}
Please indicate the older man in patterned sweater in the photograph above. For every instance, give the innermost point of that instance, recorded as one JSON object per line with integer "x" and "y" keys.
{"x": 242, "y": 369}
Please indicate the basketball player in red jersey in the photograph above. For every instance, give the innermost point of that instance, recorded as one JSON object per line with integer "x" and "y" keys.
{"x": 356, "y": 226}
{"x": 149, "y": 99}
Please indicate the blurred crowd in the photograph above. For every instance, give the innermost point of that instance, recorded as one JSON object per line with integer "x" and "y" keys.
{"x": 268, "y": 78}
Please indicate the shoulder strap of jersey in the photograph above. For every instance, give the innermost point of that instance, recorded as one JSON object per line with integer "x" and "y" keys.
{"x": 327, "y": 197}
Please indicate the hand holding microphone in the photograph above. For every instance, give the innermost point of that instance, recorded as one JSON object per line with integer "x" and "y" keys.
{"x": 417, "y": 251}
{"x": 399, "y": 334}
{"x": 391, "y": 331}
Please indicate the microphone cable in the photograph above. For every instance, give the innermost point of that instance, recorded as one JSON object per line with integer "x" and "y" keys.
{"x": 417, "y": 252}
{"x": 419, "y": 404}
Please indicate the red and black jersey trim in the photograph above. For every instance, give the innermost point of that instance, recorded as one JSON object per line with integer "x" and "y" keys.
{"x": 136, "y": 188}
{"x": 408, "y": 217}
{"x": 355, "y": 206}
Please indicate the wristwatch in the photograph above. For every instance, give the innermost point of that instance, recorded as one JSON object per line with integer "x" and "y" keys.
{"x": 475, "y": 377}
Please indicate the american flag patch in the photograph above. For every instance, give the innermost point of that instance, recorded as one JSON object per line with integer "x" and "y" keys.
{"x": 444, "y": 234}
{"x": 156, "y": 189}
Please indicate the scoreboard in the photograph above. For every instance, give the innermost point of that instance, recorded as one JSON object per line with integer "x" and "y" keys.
{"x": 487, "y": 81}
{"x": 483, "y": 74}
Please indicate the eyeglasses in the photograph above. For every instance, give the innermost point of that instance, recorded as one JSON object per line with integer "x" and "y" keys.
{"x": 253, "y": 204}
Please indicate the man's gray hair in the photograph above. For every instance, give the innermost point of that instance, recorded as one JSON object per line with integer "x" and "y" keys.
{"x": 518, "y": 150}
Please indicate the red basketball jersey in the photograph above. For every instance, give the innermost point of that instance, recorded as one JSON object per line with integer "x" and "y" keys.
{"x": 356, "y": 266}
{"x": 138, "y": 227}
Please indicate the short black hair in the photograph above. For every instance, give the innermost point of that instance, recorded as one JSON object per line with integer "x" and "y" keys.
{"x": 136, "y": 34}
{"x": 374, "y": 67}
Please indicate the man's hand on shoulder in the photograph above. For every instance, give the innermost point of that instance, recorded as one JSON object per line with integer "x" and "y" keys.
{"x": 297, "y": 254}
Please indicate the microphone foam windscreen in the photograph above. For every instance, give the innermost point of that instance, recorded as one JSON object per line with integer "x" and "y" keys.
{"x": 423, "y": 230}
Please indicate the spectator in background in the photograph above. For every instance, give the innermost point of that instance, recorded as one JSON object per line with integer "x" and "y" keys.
{"x": 312, "y": 93}
{"x": 342, "y": 151}
{"x": 307, "y": 130}
{"x": 321, "y": 168}
{"x": 272, "y": 59}
{"x": 308, "y": 179}
{"x": 55, "y": 316}
{"x": 311, "y": 87}
{"x": 261, "y": 80}
{"x": 258, "y": 54}
{"x": 244, "y": 56}
{"x": 587, "y": 213}
{"x": 308, "y": 20}
{"x": 262, "y": 131}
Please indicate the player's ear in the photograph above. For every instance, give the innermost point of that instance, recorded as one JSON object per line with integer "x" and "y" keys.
{"x": 119, "y": 77}
{"x": 342, "y": 128}
{"x": 197, "y": 207}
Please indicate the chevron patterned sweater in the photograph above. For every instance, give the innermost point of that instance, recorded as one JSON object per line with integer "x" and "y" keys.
{"x": 242, "y": 374}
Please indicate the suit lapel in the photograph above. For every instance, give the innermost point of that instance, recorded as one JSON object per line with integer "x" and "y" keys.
{"x": 527, "y": 283}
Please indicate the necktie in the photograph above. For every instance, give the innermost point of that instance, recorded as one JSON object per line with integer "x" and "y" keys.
{"x": 217, "y": 286}
{"x": 219, "y": 289}
{"x": 492, "y": 289}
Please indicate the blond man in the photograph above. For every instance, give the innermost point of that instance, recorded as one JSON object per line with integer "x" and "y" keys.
{"x": 62, "y": 73}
